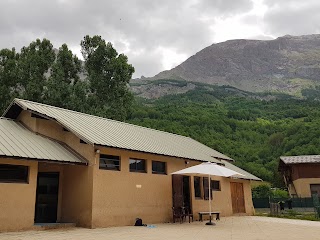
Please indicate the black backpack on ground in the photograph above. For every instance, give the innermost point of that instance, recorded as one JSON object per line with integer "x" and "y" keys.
{"x": 139, "y": 222}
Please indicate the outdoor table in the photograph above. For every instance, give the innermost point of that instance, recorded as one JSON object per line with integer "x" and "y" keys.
{"x": 208, "y": 213}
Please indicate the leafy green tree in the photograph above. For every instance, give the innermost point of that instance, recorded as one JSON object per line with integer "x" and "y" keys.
{"x": 64, "y": 76}
{"x": 8, "y": 80}
{"x": 261, "y": 191}
{"x": 34, "y": 62}
{"x": 276, "y": 139}
{"x": 279, "y": 193}
{"x": 109, "y": 74}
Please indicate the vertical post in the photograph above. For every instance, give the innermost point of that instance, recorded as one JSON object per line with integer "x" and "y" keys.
{"x": 210, "y": 222}
{"x": 209, "y": 195}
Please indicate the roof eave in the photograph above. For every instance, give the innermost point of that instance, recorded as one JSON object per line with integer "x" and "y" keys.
{"x": 44, "y": 160}
{"x": 185, "y": 158}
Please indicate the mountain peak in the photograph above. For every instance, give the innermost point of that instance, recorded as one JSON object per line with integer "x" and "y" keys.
{"x": 285, "y": 64}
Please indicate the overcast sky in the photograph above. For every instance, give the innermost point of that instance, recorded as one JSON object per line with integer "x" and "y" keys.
{"x": 155, "y": 34}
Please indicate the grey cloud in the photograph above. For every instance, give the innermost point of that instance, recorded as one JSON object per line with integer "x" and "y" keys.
{"x": 149, "y": 63}
{"x": 292, "y": 17}
{"x": 144, "y": 24}
{"x": 225, "y": 7}
{"x": 288, "y": 3}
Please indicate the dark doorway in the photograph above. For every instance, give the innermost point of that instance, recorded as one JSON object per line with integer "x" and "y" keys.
{"x": 181, "y": 191}
{"x": 47, "y": 198}
{"x": 177, "y": 191}
{"x": 186, "y": 192}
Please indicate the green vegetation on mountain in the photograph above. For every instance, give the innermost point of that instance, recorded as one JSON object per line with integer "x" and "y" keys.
{"x": 253, "y": 131}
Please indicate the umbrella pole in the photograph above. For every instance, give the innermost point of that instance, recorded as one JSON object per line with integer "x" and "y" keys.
{"x": 210, "y": 221}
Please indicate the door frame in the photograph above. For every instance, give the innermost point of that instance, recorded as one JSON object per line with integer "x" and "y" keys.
{"x": 181, "y": 186}
{"x": 235, "y": 189}
{"x": 57, "y": 176}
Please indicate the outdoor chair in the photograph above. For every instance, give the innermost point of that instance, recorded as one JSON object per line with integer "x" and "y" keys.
{"x": 177, "y": 214}
{"x": 186, "y": 211}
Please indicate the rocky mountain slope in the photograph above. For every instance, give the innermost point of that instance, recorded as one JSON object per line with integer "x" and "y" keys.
{"x": 287, "y": 64}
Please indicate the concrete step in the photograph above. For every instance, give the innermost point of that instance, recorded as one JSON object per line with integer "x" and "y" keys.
{"x": 48, "y": 226}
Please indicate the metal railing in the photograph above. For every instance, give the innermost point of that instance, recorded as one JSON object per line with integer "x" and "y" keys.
{"x": 295, "y": 202}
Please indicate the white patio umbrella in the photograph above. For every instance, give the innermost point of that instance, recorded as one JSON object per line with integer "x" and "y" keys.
{"x": 210, "y": 169}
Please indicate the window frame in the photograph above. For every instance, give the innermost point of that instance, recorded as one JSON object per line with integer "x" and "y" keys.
{"x": 137, "y": 170}
{"x": 157, "y": 172}
{"x": 194, "y": 187}
{"x": 109, "y": 157}
{"x": 212, "y": 185}
{"x": 26, "y": 173}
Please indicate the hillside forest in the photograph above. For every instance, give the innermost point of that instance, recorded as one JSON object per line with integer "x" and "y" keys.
{"x": 254, "y": 129}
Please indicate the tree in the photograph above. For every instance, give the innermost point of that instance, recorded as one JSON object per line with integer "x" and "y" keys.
{"x": 261, "y": 191}
{"x": 8, "y": 80}
{"x": 109, "y": 74}
{"x": 63, "y": 76}
{"x": 276, "y": 139}
{"x": 34, "y": 62}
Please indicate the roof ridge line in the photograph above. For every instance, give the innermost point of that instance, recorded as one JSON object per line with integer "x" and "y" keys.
{"x": 301, "y": 155}
{"x": 106, "y": 119}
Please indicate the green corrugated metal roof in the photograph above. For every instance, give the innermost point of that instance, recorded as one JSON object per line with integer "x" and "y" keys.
{"x": 17, "y": 141}
{"x": 246, "y": 175}
{"x": 106, "y": 132}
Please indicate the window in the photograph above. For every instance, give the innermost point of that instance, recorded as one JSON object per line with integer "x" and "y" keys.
{"x": 159, "y": 167}
{"x": 109, "y": 162}
{"x": 14, "y": 173}
{"x": 215, "y": 185}
{"x": 197, "y": 187}
{"x": 205, "y": 188}
{"x": 137, "y": 165}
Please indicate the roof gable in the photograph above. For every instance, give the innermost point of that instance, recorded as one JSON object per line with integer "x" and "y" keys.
{"x": 111, "y": 133}
{"x": 17, "y": 141}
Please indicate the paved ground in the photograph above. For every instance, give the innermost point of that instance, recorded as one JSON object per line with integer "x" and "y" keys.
{"x": 235, "y": 228}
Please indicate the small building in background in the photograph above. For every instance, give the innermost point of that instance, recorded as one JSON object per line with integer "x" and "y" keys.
{"x": 301, "y": 174}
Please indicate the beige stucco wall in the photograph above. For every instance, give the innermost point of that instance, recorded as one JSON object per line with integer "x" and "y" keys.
{"x": 302, "y": 186}
{"x": 76, "y": 206}
{"x": 118, "y": 201}
{"x": 17, "y": 200}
